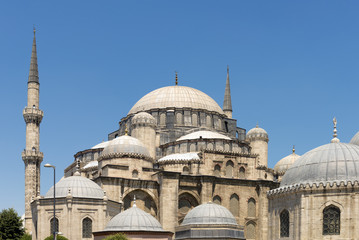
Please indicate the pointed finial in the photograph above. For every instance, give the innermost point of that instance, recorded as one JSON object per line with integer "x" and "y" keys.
{"x": 335, "y": 139}
{"x": 34, "y": 29}
{"x": 257, "y": 125}
{"x": 134, "y": 201}
{"x": 227, "y": 69}
{"x": 77, "y": 173}
{"x": 293, "y": 150}
{"x": 227, "y": 101}
{"x": 126, "y": 130}
{"x": 176, "y": 78}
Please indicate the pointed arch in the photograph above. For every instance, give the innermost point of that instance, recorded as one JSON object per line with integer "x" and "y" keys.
{"x": 250, "y": 230}
{"x": 217, "y": 200}
{"x": 234, "y": 205}
{"x": 242, "y": 173}
{"x": 217, "y": 170}
{"x": 251, "y": 209}
{"x": 52, "y": 230}
{"x": 331, "y": 220}
{"x": 284, "y": 223}
{"x": 87, "y": 228}
{"x": 144, "y": 201}
{"x": 229, "y": 169}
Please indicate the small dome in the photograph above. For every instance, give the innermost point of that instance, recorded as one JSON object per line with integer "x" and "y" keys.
{"x": 283, "y": 164}
{"x": 181, "y": 157}
{"x": 91, "y": 165}
{"x": 257, "y": 133}
{"x": 77, "y": 186}
{"x": 355, "y": 139}
{"x": 333, "y": 162}
{"x": 126, "y": 145}
{"x": 134, "y": 219}
{"x": 143, "y": 118}
{"x": 209, "y": 213}
{"x": 101, "y": 145}
{"x": 176, "y": 97}
{"x": 203, "y": 134}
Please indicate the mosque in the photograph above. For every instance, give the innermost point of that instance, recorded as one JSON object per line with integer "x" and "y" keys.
{"x": 179, "y": 167}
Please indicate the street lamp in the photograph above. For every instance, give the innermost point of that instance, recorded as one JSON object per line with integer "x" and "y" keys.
{"x": 54, "y": 222}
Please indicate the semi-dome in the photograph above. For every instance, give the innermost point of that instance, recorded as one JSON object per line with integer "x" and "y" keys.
{"x": 285, "y": 163}
{"x": 203, "y": 134}
{"x": 333, "y": 162}
{"x": 355, "y": 139}
{"x": 257, "y": 133}
{"x": 180, "y": 157}
{"x": 126, "y": 145}
{"x": 134, "y": 219}
{"x": 209, "y": 213}
{"x": 101, "y": 145}
{"x": 77, "y": 186}
{"x": 176, "y": 97}
{"x": 143, "y": 118}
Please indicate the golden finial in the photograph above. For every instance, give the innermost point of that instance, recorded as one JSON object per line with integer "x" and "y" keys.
{"x": 257, "y": 125}
{"x": 176, "y": 78}
{"x": 335, "y": 139}
{"x": 126, "y": 130}
{"x": 293, "y": 150}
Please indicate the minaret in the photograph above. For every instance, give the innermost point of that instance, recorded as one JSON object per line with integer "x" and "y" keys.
{"x": 32, "y": 156}
{"x": 227, "y": 102}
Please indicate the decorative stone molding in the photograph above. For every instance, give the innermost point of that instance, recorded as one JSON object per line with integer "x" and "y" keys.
{"x": 32, "y": 115}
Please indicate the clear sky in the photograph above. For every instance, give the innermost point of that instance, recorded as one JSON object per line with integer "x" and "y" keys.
{"x": 293, "y": 67}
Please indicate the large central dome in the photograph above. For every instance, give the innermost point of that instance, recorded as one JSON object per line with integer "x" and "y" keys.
{"x": 176, "y": 97}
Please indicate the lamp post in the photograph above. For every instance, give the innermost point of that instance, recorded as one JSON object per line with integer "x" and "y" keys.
{"x": 54, "y": 222}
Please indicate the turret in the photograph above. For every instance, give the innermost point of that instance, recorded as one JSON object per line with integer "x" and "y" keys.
{"x": 258, "y": 139}
{"x": 32, "y": 156}
{"x": 143, "y": 128}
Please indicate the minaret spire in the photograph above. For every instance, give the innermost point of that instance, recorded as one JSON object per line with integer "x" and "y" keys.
{"x": 34, "y": 73}
{"x": 32, "y": 156}
{"x": 227, "y": 102}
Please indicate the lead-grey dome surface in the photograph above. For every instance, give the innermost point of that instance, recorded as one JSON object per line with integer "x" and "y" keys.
{"x": 355, "y": 139}
{"x": 77, "y": 186}
{"x": 176, "y": 97}
{"x": 257, "y": 133}
{"x": 333, "y": 162}
{"x": 134, "y": 219}
{"x": 285, "y": 163}
{"x": 209, "y": 213}
{"x": 126, "y": 145}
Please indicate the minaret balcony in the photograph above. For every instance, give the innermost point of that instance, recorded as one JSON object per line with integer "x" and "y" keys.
{"x": 31, "y": 155}
{"x": 34, "y": 115}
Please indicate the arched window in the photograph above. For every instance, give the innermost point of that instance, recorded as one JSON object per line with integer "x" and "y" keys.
{"x": 284, "y": 223}
{"x": 217, "y": 170}
{"x": 251, "y": 208}
{"x": 242, "y": 172}
{"x": 52, "y": 226}
{"x": 135, "y": 174}
{"x": 217, "y": 200}
{"x": 33, "y": 149}
{"x": 229, "y": 169}
{"x": 234, "y": 205}
{"x": 185, "y": 170}
{"x": 116, "y": 135}
{"x": 331, "y": 220}
{"x": 87, "y": 228}
{"x": 251, "y": 231}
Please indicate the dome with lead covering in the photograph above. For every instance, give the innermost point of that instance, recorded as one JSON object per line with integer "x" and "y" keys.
{"x": 257, "y": 133}
{"x": 134, "y": 219}
{"x": 355, "y": 139}
{"x": 76, "y": 186}
{"x": 126, "y": 145}
{"x": 203, "y": 134}
{"x": 143, "y": 118}
{"x": 333, "y": 162}
{"x": 101, "y": 145}
{"x": 209, "y": 213}
{"x": 285, "y": 163}
{"x": 176, "y": 97}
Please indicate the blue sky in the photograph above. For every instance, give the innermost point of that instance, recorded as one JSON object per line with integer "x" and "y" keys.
{"x": 293, "y": 67}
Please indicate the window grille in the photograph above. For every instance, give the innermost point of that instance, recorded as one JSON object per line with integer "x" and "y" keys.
{"x": 251, "y": 208}
{"x": 251, "y": 231}
{"x": 284, "y": 223}
{"x": 242, "y": 172}
{"x": 217, "y": 170}
{"x": 52, "y": 226}
{"x": 331, "y": 221}
{"x": 234, "y": 205}
{"x": 87, "y": 228}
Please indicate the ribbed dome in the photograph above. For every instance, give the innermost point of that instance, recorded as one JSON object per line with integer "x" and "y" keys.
{"x": 203, "y": 134}
{"x": 176, "y": 97}
{"x": 126, "y": 144}
{"x": 134, "y": 219}
{"x": 209, "y": 213}
{"x": 143, "y": 117}
{"x": 285, "y": 163}
{"x": 333, "y": 162}
{"x": 77, "y": 186}
{"x": 101, "y": 145}
{"x": 257, "y": 133}
{"x": 355, "y": 139}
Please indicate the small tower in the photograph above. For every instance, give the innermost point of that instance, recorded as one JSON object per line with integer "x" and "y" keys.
{"x": 227, "y": 102}
{"x": 144, "y": 129}
{"x": 258, "y": 139}
{"x": 32, "y": 156}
